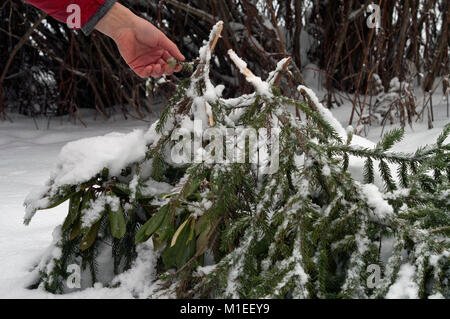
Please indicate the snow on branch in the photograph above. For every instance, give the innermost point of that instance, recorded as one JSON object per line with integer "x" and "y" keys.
{"x": 314, "y": 103}
{"x": 262, "y": 87}
{"x": 275, "y": 76}
{"x": 205, "y": 53}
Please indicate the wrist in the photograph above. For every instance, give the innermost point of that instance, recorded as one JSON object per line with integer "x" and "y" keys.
{"x": 117, "y": 19}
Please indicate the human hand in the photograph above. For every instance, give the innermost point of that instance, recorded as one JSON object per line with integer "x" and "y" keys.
{"x": 145, "y": 48}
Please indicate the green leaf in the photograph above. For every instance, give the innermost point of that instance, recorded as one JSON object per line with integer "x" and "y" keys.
{"x": 390, "y": 138}
{"x": 105, "y": 173}
{"x": 369, "y": 176}
{"x": 177, "y": 233}
{"x": 140, "y": 236}
{"x": 117, "y": 222}
{"x": 63, "y": 194}
{"x": 164, "y": 232}
{"x": 191, "y": 187}
{"x": 202, "y": 240}
{"x": 121, "y": 189}
{"x": 76, "y": 230}
{"x": 90, "y": 236}
{"x": 74, "y": 210}
{"x": 202, "y": 223}
{"x": 182, "y": 251}
{"x": 151, "y": 225}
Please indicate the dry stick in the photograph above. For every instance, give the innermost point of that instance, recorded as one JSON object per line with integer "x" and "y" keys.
{"x": 244, "y": 70}
{"x": 283, "y": 49}
{"x": 16, "y": 49}
{"x": 439, "y": 229}
{"x": 212, "y": 47}
{"x": 283, "y": 71}
{"x": 340, "y": 43}
{"x": 199, "y": 13}
{"x": 274, "y": 19}
{"x": 216, "y": 37}
{"x": 361, "y": 72}
{"x": 365, "y": 97}
{"x": 91, "y": 82}
{"x": 446, "y": 93}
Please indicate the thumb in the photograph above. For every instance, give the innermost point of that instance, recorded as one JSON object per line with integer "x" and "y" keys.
{"x": 171, "y": 47}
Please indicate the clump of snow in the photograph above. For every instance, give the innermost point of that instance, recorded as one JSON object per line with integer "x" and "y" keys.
{"x": 140, "y": 278}
{"x": 96, "y": 209}
{"x": 133, "y": 186}
{"x": 404, "y": 287}
{"x": 262, "y": 87}
{"x": 81, "y": 160}
{"x": 206, "y": 270}
{"x": 241, "y": 64}
{"x": 35, "y": 200}
{"x": 153, "y": 187}
{"x": 326, "y": 170}
{"x": 381, "y": 208}
{"x": 278, "y": 69}
{"x": 202, "y": 104}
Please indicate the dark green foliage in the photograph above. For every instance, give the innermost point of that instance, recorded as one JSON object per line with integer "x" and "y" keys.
{"x": 309, "y": 230}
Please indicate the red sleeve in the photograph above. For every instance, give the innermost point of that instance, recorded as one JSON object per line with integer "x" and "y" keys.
{"x": 58, "y": 8}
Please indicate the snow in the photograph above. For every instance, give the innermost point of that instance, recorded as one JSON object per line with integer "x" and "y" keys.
{"x": 152, "y": 187}
{"x": 404, "y": 287}
{"x": 241, "y": 64}
{"x": 262, "y": 87}
{"x": 81, "y": 160}
{"x": 206, "y": 270}
{"x": 28, "y": 155}
{"x": 326, "y": 113}
{"x": 96, "y": 209}
{"x": 140, "y": 278}
{"x": 375, "y": 200}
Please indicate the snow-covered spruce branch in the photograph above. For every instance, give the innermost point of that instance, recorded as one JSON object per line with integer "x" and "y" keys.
{"x": 227, "y": 229}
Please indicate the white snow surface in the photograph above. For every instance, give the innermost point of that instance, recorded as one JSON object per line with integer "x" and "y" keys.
{"x": 78, "y": 161}
{"x": 404, "y": 287}
{"x": 29, "y": 155}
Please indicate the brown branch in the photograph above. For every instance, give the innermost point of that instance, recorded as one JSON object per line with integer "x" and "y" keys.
{"x": 366, "y": 52}
{"x": 16, "y": 49}
{"x": 275, "y": 22}
{"x": 439, "y": 229}
{"x": 198, "y": 13}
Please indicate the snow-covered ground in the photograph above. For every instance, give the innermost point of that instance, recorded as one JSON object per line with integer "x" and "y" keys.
{"x": 27, "y": 155}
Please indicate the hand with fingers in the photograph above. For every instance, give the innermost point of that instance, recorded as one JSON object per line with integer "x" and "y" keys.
{"x": 145, "y": 48}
